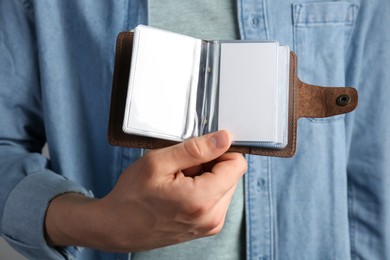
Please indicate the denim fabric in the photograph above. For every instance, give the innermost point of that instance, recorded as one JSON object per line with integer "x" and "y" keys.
{"x": 330, "y": 201}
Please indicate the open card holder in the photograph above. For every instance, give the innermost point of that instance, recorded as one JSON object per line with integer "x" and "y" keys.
{"x": 214, "y": 88}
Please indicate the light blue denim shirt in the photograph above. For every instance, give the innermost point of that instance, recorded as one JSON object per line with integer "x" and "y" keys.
{"x": 330, "y": 201}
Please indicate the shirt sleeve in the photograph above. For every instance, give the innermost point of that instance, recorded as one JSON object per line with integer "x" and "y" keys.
{"x": 27, "y": 184}
{"x": 24, "y": 212}
{"x": 369, "y": 160}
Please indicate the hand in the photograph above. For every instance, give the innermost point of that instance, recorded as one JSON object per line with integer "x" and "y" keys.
{"x": 169, "y": 196}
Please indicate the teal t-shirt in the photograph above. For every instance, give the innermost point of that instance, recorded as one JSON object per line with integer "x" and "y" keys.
{"x": 209, "y": 20}
{"x": 214, "y": 20}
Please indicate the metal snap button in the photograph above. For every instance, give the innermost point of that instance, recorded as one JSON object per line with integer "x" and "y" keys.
{"x": 343, "y": 100}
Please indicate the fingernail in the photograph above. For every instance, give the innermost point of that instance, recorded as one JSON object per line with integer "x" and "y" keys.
{"x": 220, "y": 139}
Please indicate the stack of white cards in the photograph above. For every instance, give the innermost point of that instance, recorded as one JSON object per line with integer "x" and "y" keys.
{"x": 181, "y": 87}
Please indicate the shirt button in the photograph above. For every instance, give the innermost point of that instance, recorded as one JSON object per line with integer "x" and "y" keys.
{"x": 261, "y": 184}
{"x": 254, "y": 20}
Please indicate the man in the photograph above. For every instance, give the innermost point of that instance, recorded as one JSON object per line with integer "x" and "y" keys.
{"x": 327, "y": 202}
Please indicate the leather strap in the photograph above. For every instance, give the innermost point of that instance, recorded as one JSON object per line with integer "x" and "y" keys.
{"x": 316, "y": 101}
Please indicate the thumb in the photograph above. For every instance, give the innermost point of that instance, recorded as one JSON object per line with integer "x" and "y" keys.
{"x": 194, "y": 151}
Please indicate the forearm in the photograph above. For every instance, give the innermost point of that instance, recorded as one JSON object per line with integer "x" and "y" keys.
{"x": 76, "y": 220}
{"x": 70, "y": 220}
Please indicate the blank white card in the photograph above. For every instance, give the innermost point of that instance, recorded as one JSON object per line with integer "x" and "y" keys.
{"x": 247, "y": 91}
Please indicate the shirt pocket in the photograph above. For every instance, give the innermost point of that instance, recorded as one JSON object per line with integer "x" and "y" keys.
{"x": 321, "y": 37}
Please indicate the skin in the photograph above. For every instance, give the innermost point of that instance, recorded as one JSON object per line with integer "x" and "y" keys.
{"x": 169, "y": 196}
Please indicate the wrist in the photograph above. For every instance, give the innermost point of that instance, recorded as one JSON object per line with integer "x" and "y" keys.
{"x": 68, "y": 219}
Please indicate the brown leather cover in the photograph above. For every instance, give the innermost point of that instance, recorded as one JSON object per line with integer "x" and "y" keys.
{"x": 305, "y": 100}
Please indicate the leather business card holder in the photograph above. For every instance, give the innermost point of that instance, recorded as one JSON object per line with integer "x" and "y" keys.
{"x": 304, "y": 100}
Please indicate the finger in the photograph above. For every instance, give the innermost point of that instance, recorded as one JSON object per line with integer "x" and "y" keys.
{"x": 223, "y": 206}
{"x": 213, "y": 221}
{"x": 199, "y": 169}
{"x": 223, "y": 176}
{"x": 193, "y": 171}
{"x": 193, "y": 152}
